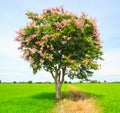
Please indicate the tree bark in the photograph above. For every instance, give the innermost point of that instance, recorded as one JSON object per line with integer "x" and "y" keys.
{"x": 58, "y": 90}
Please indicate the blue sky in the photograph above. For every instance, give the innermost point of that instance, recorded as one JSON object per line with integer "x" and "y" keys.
{"x": 12, "y": 17}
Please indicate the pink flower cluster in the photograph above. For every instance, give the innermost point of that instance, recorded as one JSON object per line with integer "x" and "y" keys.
{"x": 79, "y": 23}
{"x": 30, "y": 38}
{"x": 57, "y": 10}
{"x": 32, "y": 24}
{"x": 96, "y": 32}
{"x": 45, "y": 37}
{"x": 32, "y": 50}
{"x": 31, "y": 60}
{"x": 40, "y": 43}
{"x": 63, "y": 23}
{"x": 84, "y": 15}
{"x": 20, "y": 32}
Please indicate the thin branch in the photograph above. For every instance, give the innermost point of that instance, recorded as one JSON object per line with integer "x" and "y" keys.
{"x": 63, "y": 74}
{"x": 52, "y": 74}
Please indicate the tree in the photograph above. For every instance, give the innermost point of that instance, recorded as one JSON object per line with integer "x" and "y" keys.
{"x": 14, "y": 82}
{"x": 61, "y": 43}
{"x": 30, "y": 82}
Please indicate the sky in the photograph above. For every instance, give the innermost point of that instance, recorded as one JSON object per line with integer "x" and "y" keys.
{"x": 12, "y": 17}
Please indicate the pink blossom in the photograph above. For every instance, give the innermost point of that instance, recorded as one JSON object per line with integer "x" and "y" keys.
{"x": 31, "y": 60}
{"x": 37, "y": 43}
{"x": 40, "y": 52}
{"x": 97, "y": 34}
{"x": 73, "y": 15}
{"x": 65, "y": 22}
{"x": 24, "y": 57}
{"x": 79, "y": 23}
{"x": 64, "y": 37}
{"x": 18, "y": 38}
{"x": 60, "y": 13}
{"x": 27, "y": 52}
{"x": 33, "y": 50}
{"x": 32, "y": 24}
{"x": 20, "y": 32}
{"x": 30, "y": 38}
{"x": 42, "y": 44}
{"x": 87, "y": 25}
{"x": 84, "y": 15}
{"x": 93, "y": 20}
{"x": 45, "y": 37}
{"x": 58, "y": 24}
{"x": 51, "y": 57}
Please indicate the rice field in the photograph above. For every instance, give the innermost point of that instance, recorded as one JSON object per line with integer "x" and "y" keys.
{"x": 40, "y": 98}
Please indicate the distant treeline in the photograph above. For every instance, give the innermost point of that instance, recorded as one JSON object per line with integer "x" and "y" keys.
{"x": 65, "y": 82}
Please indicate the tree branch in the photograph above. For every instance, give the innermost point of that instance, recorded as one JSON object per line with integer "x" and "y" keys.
{"x": 63, "y": 74}
{"x": 52, "y": 74}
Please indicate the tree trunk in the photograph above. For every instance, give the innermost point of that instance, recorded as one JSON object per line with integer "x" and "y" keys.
{"x": 58, "y": 77}
{"x": 58, "y": 90}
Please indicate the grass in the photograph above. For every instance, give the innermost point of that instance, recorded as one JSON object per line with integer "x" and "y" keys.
{"x": 26, "y": 98}
{"x": 40, "y": 98}
{"x": 107, "y": 95}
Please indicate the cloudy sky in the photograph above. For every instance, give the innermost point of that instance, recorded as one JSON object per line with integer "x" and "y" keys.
{"x": 12, "y": 17}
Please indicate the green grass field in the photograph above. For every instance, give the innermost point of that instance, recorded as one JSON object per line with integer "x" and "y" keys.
{"x": 40, "y": 98}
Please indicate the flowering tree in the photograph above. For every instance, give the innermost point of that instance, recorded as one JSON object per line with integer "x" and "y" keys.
{"x": 61, "y": 43}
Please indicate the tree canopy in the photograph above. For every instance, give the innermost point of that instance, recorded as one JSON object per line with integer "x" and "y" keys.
{"x": 61, "y": 43}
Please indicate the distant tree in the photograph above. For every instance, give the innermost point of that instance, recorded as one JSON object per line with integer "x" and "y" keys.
{"x": 104, "y": 81}
{"x": 30, "y": 82}
{"x": 61, "y": 43}
{"x": 69, "y": 82}
{"x": 14, "y": 82}
{"x": 65, "y": 82}
{"x": 38, "y": 82}
{"x": 0, "y": 81}
{"x": 98, "y": 82}
{"x": 81, "y": 81}
{"x": 93, "y": 81}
